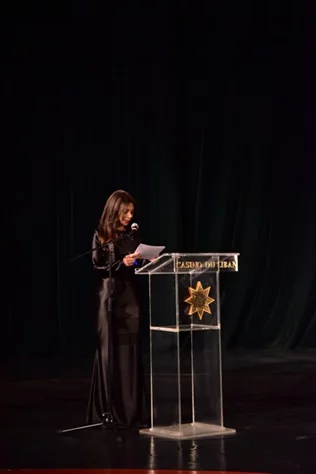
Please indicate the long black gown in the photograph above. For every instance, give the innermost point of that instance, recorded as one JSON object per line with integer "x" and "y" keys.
{"x": 128, "y": 404}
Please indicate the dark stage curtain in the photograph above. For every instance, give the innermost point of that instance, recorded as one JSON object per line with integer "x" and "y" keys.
{"x": 206, "y": 117}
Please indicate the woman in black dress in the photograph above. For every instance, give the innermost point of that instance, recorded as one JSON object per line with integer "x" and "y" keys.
{"x": 117, "y": 363}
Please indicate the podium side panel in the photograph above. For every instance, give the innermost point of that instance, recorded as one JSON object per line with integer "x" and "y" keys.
{"x": 165, "y": 402}
{"x": 199, "y": 300}
{"x": 164, "y": 366}
{"x": 207, "y": 379}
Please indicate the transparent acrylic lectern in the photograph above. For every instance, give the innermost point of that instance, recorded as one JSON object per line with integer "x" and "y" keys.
{"x": 185, "y": 344}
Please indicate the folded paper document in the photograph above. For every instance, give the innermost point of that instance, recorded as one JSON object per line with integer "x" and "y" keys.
{"x": 149, "y": 251}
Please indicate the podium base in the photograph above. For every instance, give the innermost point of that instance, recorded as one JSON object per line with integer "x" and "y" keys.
{"x": 188, "y": 431}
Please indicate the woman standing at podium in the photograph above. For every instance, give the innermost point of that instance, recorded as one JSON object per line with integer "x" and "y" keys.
{"x": 117, "y": 363}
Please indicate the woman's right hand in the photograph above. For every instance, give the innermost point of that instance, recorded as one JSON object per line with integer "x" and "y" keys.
{"x": 129, "y": 260}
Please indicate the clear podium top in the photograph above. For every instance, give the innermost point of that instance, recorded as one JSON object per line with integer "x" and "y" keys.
{"x": 168, "y": 263}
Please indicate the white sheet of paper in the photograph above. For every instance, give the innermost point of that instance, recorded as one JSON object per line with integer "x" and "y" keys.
{"x": 149, "y": 251}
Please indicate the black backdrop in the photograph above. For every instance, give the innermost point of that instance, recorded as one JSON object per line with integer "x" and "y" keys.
{"x": 206, "y": 116}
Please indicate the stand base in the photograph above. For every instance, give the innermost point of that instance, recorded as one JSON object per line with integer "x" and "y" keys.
{"x": 108, "y": 422}
{"x": 188, "y": 431}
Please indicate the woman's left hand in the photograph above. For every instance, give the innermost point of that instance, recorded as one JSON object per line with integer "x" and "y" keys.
{"x": 129, "y": 260}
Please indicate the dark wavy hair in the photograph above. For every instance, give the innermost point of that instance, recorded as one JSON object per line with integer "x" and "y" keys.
{"x": 109, "y": 221}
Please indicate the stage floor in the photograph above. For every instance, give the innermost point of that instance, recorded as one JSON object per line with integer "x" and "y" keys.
{"x": 268, "y": 397}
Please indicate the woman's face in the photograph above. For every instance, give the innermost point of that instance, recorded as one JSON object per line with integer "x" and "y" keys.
{"x": 127, "y": 215}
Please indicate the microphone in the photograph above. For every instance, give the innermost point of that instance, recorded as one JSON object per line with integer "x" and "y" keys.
{"x": 134, "y": 227}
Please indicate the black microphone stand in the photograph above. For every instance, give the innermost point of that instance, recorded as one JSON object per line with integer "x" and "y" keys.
{"x": 107, "y": 417}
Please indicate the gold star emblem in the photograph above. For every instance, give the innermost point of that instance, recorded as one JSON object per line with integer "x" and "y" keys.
{"x": 199, "y": 300}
